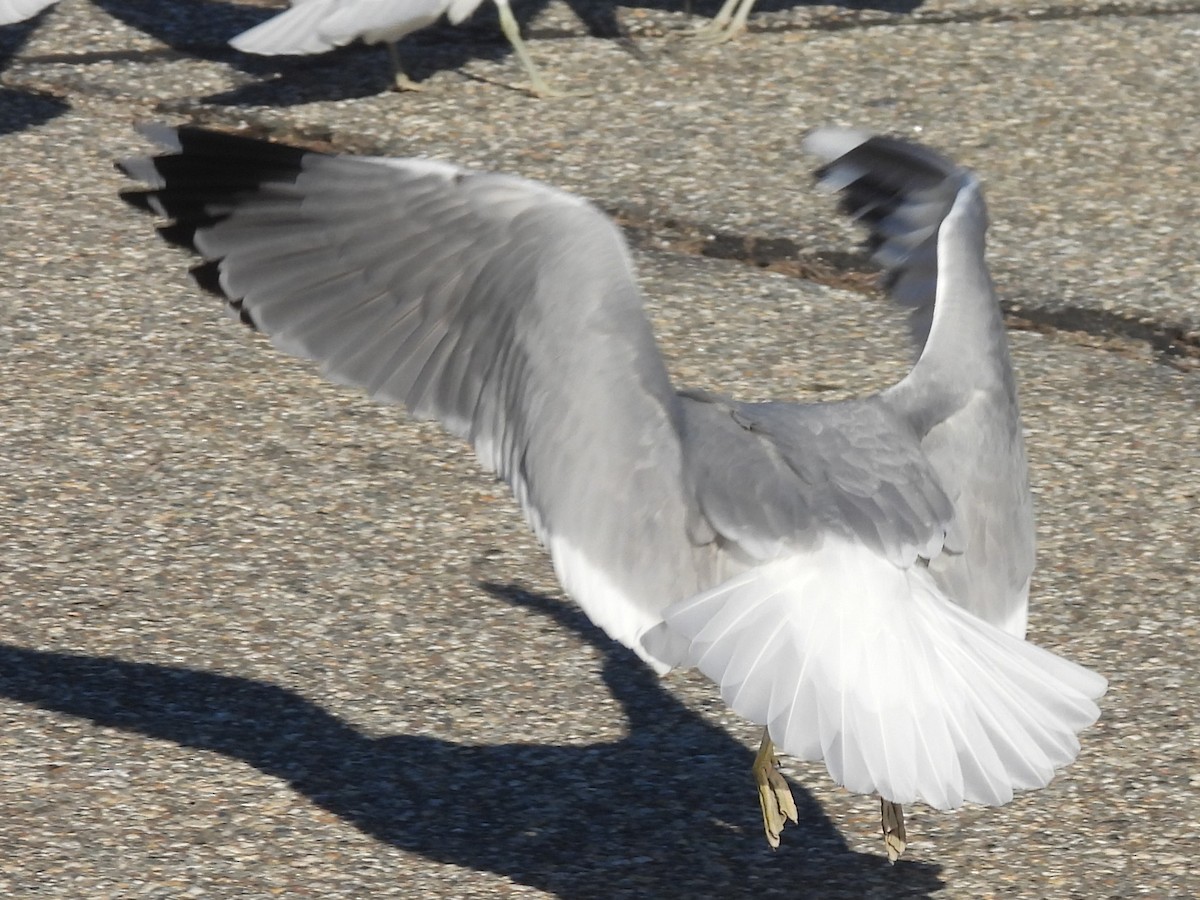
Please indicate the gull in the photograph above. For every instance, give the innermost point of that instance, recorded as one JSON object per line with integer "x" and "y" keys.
{"x": 19, "y": 10}
{"x": 317, "y": 26}
{"x": 853, "y": 575}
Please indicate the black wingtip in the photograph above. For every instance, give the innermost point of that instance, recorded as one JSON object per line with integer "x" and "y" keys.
{"x": 208, "y": 276}
{"x": 901, "y": 192}
{"x": 198, "y": 180}
{"x": 203, "y": 169}
{"x": 138, "y": 199}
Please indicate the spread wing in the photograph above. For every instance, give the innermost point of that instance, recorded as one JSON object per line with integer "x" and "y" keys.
{"x": 501, "y": 307}
{"x": 927, "y": 225}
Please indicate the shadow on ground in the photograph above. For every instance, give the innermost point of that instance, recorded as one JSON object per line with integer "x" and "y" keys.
{"x": 667, "y": 812}
{"x": 26, "y": 109}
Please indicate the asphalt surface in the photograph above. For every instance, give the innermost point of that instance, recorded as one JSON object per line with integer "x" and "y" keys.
{"x": 259, "y": 638}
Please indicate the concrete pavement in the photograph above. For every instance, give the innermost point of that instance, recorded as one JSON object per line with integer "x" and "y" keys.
{"x": 260, "y": 638}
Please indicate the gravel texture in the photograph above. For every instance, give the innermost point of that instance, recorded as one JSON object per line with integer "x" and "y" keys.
{"x": 260, "y": 638}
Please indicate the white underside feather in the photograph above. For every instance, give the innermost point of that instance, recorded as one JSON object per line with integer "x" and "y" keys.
{"x": 849, "y": 658}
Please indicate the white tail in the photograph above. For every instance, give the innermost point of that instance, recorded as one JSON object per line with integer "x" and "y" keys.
{"x": 852, "y": 659}
{"x": 317, "y": 26}
{"x": 297, "y": 30}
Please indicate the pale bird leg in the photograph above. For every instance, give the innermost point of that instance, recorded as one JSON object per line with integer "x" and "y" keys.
{"x": 891, "y": 819}
{"x": 512, "y": 31}
{"x": 400, "y": 81}
{"x": 728, "y": 23}
{"x": 738, "y": 25}
{"x": 774, "y": 795}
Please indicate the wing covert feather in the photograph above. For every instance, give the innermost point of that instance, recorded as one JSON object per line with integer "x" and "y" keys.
{"x": 770, "y": 477}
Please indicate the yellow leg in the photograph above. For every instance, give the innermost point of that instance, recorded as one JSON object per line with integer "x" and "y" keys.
{"x": 891, "y": 820}
{"x": 400, "y": 81}
{"x": 774, "y": 795}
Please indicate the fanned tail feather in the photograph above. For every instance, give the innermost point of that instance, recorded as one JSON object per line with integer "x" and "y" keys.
{"x": 317, "y": 26}
{"x": 849, "y": 658}
{"x": 295, "y": 31}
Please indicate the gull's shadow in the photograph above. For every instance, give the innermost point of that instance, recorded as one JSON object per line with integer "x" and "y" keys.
{"x": 668, "y": 811}
{"x": 14, "y": 35}
{"x": 21, "y": 109}
{"x": 24, "y": 108}
{"x": 356, "y": 71}
{"x": 199, "y": 28}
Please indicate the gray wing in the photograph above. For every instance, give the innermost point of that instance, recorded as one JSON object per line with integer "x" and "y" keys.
{"x": 861, "y": 468}
{"x": 19, "y": 10}
{"x": 503, "y": 308}
{"x": 772, "y": 478}
{"x": 928, "y": 223}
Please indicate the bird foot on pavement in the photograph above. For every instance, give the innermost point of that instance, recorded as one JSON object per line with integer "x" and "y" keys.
{"x": 401, "y": 83}
{"x": 774, "y": 795}
{"x": 891, "y": 820}
{"x": 716, "y": 32}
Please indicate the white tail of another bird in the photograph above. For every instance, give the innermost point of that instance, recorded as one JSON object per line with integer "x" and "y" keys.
{"x": 296, "y": 30}
{"x": 317, "y": 26}
{"x": 850, "y": 658}
{"x": 12, "y": 11}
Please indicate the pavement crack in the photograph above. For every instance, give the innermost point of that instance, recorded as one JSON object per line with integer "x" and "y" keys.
{"x": 1173, "y": 344}
{"x": 775, "y": 254}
